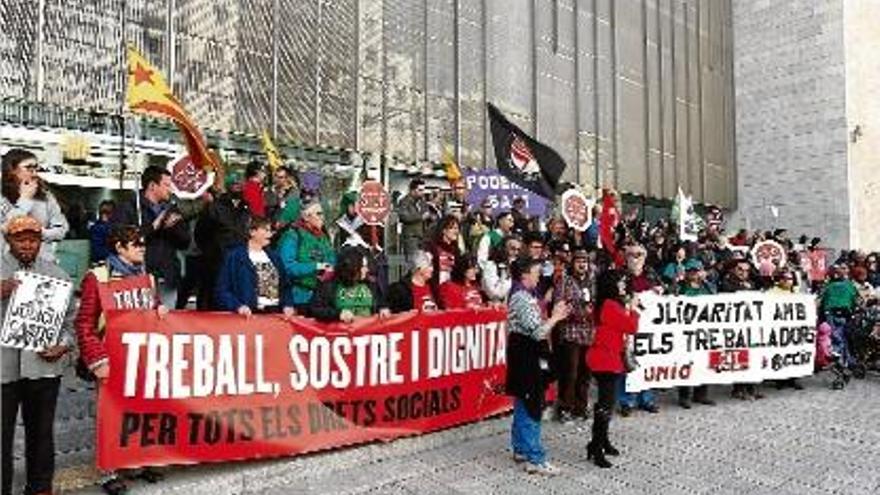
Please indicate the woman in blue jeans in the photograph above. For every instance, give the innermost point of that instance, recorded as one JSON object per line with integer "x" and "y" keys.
{"x": 528, "y": 356}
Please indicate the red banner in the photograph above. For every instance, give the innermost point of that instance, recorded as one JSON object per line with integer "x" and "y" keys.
{"x": 206, "y": 387}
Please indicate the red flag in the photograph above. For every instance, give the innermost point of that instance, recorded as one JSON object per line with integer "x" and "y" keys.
{"x": 607, "y": 224}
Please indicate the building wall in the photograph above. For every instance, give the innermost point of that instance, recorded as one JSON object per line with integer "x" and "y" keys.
{"x": 862, "y": 37}
{"x": 640, "y": 90}
{"x": 791, "y": 124}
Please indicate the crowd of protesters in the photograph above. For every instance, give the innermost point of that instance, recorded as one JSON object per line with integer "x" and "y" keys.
{"x": 252, "y": 248}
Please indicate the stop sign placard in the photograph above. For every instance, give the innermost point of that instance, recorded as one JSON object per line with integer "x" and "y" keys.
{"x": 373, "y": 204}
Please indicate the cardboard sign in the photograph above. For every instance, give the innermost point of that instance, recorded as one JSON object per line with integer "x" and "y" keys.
{"x": 209, "y": 387}
{"x": 188, "y": 181}
{"x": 744, "y": 337}
{"x": 576, "y": 210}
{"x": 36, "y": 312}
{"x": 373, "y": 204}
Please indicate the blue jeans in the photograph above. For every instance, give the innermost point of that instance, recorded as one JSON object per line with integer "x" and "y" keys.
{"x": 840, "y": 330}
{"x": 642, "y": 400}
{"x": 525, "y": 434}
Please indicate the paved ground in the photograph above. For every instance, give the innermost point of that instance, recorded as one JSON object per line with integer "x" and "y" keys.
{"x": 816, "y": 441}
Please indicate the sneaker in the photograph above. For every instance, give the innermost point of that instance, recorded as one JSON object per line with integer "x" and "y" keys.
{"x": 625, "y": 411}
{"x": 685, "y": 404}
{"x": 519, "y": 458}
{"x": 545, "y": 469}
{"x": 706, "y": 402}
{"x": 651, "y": 408}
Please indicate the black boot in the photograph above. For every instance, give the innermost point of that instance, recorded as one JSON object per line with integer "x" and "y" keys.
{"x": 595, "y": 454}
{"x": 596, "y": 449}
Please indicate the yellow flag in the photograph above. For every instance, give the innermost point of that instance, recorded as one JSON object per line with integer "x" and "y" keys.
{"x": 148, "y": 93}
{"x": 271, "y": 151}
{"x": 453, "y": 173}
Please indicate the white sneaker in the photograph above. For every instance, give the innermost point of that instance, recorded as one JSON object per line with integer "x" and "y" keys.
{"x": 519, "y": 458}
{"x": 545, "y": 469}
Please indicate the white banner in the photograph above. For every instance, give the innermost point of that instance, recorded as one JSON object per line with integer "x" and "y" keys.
{"x": 745, "y": 337}
{"x": 35, "y": 312}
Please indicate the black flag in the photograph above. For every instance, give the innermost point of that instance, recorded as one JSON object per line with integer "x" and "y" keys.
{"x": 523, "y": 160}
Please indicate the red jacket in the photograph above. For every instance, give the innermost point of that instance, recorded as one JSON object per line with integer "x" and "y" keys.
{"x": 457, "y": 296}
{"x": 615, "y": 322}
{"x": 252, "y": 194}
{"x": 88, "y": 324}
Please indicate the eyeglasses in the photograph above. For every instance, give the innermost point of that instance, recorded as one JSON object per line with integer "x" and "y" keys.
{"x": 137, "y": 243}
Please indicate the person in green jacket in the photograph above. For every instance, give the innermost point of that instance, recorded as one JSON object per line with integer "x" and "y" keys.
{"x": 307, "y": 255}
{"x": 839, "y": 300}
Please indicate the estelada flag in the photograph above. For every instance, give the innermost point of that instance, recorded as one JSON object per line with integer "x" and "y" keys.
{"x": 608, "y": 222}
{"x": 271, "y": 151}
{"x": 148, "y": 93}
{"x": 524, "y": 161}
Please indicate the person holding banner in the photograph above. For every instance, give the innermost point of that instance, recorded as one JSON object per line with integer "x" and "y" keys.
{"x": 528, "y": 370}
{"x": 31, "y": 379}
{"x": 307, "y": 255}
{"x": 462, "y": 290}
{"x": 349, "y": 295}
{"x": 694, "y": 284}
{"x": 605, "y": 356}
{"x": 252, "y": 278}
{"x": 119, "y": 283}
{"x": 739, "y": 279}
{"x": 413, "y": 291}
{"x": 785, "y": 285}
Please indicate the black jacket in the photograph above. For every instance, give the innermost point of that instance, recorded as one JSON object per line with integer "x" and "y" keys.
{"x": 162, "y": 244}
{"x": 525, "y": 378}
{"x": 400, "y": 295}
{"x": 221, "y": 225}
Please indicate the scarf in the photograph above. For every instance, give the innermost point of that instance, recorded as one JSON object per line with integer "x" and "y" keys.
{"x": 301, "y": 224}
{"x": 118, "y": 265}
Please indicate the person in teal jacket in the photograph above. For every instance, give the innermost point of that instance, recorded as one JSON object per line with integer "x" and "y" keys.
{"x": 307, "y": 255}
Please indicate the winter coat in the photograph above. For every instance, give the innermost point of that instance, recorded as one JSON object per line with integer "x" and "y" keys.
{"x": 17, "y": 364}
{"x": 300, "y": 252}
{"x": 615, "y": 323}
{"x": 527, "y": 347}
{"x": 89, "y": 321}
{"x": 49, "y": 214}
{"x": 162, "y": 244}
{"x": 237, "y": 281}
{"x": 411, "y": 212}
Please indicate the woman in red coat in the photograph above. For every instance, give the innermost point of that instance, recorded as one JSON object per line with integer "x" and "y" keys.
{"x": 605, "y": 357}
{"x": 119, "y": 283}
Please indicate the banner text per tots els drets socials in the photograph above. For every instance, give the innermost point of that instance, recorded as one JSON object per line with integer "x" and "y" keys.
{"x": 204, "y": 387}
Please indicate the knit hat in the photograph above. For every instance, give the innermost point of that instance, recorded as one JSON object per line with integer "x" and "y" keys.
{"x": 693, "y": 264}
{"x": 348, "y": 199}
